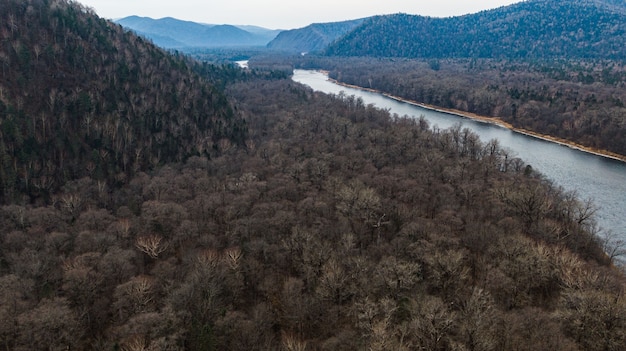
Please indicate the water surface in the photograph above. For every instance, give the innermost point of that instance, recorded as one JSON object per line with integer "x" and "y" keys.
{"x": 593, "y": 177}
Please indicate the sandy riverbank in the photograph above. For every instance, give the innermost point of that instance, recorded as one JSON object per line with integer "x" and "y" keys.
{"x": 492, "y": 120}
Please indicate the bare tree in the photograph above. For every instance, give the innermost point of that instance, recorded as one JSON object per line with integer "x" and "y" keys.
{"x": 614, "y": 246}
{"x": 232, "y": 256}
{"x": 292, "y": 343}
{"x": 529, "y": 202}
{"x": 434, "y": 324}
{"x": 396, "y": 275}
{"x": 135, "y": 296}
{"x": 152, "y": 245}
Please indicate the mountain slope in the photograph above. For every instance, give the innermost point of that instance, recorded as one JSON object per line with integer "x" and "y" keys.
{"x": 313, "y": 37}
{"x": 530, "y": 29}
{"x": 79, "y": 96}
{"x": 174, "y": 33}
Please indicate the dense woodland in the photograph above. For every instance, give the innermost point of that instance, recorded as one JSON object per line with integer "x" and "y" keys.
{"x": 579, "y": 101}
{"x": 80, "y": 96}
{"x": 533, "y": 29}
{"x": 337, "y": 228}
{"x": 331, "y": 226}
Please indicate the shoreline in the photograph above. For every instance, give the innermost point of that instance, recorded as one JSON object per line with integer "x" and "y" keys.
{"x": 491, "y": 120}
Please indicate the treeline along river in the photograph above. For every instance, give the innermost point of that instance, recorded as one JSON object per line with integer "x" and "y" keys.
{"x": 595, "y": 177}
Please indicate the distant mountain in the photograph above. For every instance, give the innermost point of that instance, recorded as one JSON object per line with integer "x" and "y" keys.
{"x": 161, "y": 40}
{"x": 313, "y": 37}
{"x": 175, "y": 34}
{"x": 80, "y": 96}
{"x": 268, "y": 34}
{"x": 529, "y": 29}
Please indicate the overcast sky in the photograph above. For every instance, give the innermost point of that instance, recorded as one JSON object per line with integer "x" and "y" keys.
{"x": 284, "y": 14}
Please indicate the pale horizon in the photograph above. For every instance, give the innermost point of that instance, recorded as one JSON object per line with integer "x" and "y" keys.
{"x": 280, "y": 14}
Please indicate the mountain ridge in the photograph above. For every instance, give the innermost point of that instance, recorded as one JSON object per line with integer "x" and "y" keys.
{"x": 543, "y": 29}
{"x": 313, "y": 37}
{"x": 173, "y": 33}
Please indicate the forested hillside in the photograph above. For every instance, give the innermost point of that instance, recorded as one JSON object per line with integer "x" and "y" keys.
{"x": 80, "y": 96}
{"x": 325, "y": 224}
{"x": 538, "y": 29}
{"x": 314, "y": 37}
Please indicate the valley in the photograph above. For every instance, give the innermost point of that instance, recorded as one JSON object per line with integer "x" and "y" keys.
{"x": 154, "y": 199}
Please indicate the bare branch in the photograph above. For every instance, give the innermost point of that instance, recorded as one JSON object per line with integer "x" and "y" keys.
{"x": 152, "y": 245}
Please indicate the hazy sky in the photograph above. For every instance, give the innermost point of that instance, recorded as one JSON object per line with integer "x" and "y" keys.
{"x": 284, "y": 14}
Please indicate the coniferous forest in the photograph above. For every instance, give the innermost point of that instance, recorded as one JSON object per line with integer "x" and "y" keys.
{"x": 535, "y": 29}
{"x": 192, "y": 206}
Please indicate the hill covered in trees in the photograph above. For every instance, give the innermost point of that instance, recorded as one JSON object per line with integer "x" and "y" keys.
{"x": 185, "y": 35}
{"x": 536, "y": 29}
{"x": 314, "y": 37}
{"x": 80, "y": 96}
{"x": 325, "y": 225}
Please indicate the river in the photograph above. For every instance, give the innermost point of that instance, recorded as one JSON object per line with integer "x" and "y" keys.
{"x": 599, "y": 178}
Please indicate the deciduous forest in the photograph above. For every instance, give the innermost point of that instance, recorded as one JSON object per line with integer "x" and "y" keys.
{"x": 79, "y": 96}
{"x": 338, "y": 227}
{"x": 311, "y": 222}
{"x": 579, "y": 101}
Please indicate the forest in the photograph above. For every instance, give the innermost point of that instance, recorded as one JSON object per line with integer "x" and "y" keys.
{"x": 306, "y": 222}
{"x": 79, "y": 96}
{"x": 338, "y": 227}
{"x": 533, "y": 29}
{"x": 578, "y": 101}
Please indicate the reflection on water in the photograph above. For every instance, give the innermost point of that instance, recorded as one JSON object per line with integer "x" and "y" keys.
{"x": 593, "y": 177}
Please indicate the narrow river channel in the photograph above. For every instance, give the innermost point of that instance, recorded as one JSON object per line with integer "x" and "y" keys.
{"x": 593, "y": 177}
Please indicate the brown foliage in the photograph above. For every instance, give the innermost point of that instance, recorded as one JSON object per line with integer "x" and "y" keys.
{"x": 580, "y": 101}
{"x": 343, "y": 229}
